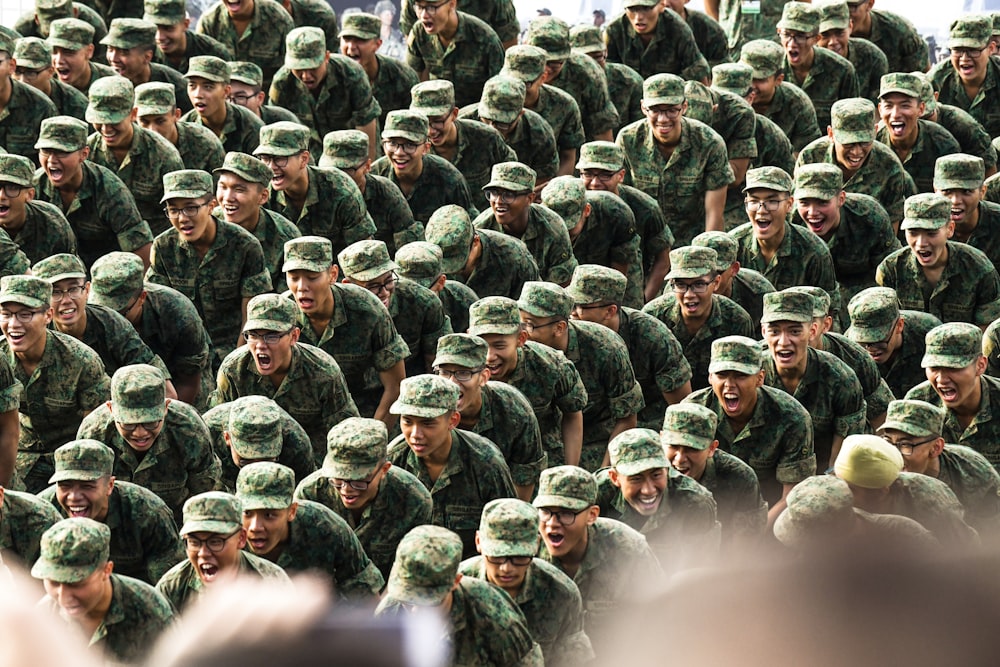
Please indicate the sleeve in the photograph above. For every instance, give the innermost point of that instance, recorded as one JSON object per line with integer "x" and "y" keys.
{"x": 389, "y": 346}
{"x": 694, "y": 67}
{"x": 806, "y": 128}
{"x": 204, "y": 468}
{"x": 255, "y": 278}
{"x": 357, "y": 577}
{"x": 340, "y": 404}
{"x": 121, "y": 213}
{"x": 10, "y": 387}
{"x": 572, "y": 646}
{"x": 670, "y": 367}
{"x": 547, "y": 152}
{"x": 885, "y": 273}
{"x": 526, "y": 459}
{"x": 570, "y": 392}
{"x": 13, "y": 261}
{"x": 159, "y": 538}
{"x": 624, "y": 393}
{"x": 225, "y": 385}
{"x": 435, "y": 323}
{"x": 850, "y": 410}
{"x": 156, "y": 273}
{"x": 717, "y": 172}
{"x": 413, "y": 56}
{"x": 571, "y": 136}
{"x": 988, "y": 298}
{"x": 797, "y": 458}
{"x": 504, "y": 20}
{"x": 352, "y": 213}
{"x": 366, "y": 108}
{"x": 94, "y": 384}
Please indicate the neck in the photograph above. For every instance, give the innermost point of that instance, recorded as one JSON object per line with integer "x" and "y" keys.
{"x": 74, "y": 183}
{"x": 451, "y": 139}
{"x": 574, "y": 557}
{"x": 410, "y": 177}
{"x": 907, "y": 142}
{"x": 300, "y": 187}
{"x": 208, "y": 238}
{"x": 470, "y": 413}
{"x": 96, "y": 615}
{"x": 774, "y": 242}
{"x": 440, "y": 457}
{"x": 970, "y": 406}
{"x": 251, "y": 225}
{"x": 448, "y": 31}
{"x": 796, "y": 372}
{"x": 531, "y": 97}
{"x": 933, "y": 467}
{"x": 371, "y": 68}
{"x": 516, "y": 228}
{"x": 216, "y": 121}
{"x": 34, "y": 353}
{"x": 172, "y": 135}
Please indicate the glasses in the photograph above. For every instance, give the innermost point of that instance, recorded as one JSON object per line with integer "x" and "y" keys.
{"x": 267, "y": 339}
{"x": 462, "y": 375}
{"x": 563, "y": 517}
{"x": 504, "y": 196}
{"x": 356, "y": 484}
{"x": 408, "y": 147}
{"x": 11, "y": 189}
{"x": 28, "y": 73}
{"x": 279, "y": 161}
{"x": 388, "y": 285}
{"x": 753, "y": 205}
{"x": 188, "y": 211}
{"x": 593, "y": 306}
{"x": 971, "y": 53}
{"x": 602, "y": 176}
{"x": 797, "y": 37}
{"x": 214, "y": 544}
{"x": 880, "y": 345}
{"x": 669, "y": 112}
{"x": 424, "y": 8}
{"x": 148, "y": 426}
{"x": 241, "y": 98}
{"x": 124, "y": 311}
{"x": 74, "y": 292}
{"x": 23, "y": 316}
{"x": 438, "y": 123}
{"x": 906, "y": 448}
{"x": 531, "y": 326}
{"x": 698, "y": 287}
{"x": 497, "y": 125}
{"x": 520, "y": 561}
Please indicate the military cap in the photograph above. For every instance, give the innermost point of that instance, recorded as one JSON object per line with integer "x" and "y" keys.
{"x": 138, "y": 394}
{"x": 47, "y": 12}
{"x": 663, "y": 89}
{"x": 354, "y": 447}
{"x": 502, "y": 99}
{"x": 426, "y": 563}
{"x": 265, "y": 485}
{"x": 246, "y": 72}
{"x": 283, "y": 138}
{"x": 16, "y": 169}
{"x": 126, "y": 33}
{"x": 874, "y": 313}
{"x": 959, "y": 171}
{"x": 405, "y": 124}
{"x": 450, "y": 228}
{"x": 366, "y": 260}
{"x": 155, "y": 98}
{"x": 586, "y": 38}
{"x": 834, "y": 16}
{"x": 542, "y": 299}
{"x": 212, "y": 512}
{"x": 308, "y": 253}
{"x": 995, "y": 16}
{"x": 524, "y": 62}
{"x": 270, "y": 312}
{"x": 768, "y": 178}
{"x": 699, "y": 100}
{"x": 59, "y": 267}
{"x": 636, "y": 450}
{"x": 916, "y": 418}
{"x": 692, "y": 262}
{"x": 186, "y": 184}
{"x": 433, "y": 98}
{"x": 211, "y": 68}
{"x": 508, "y": 527}
{"x": 868, "y": 461}
{"x": 688, "y": 425}
{"x": 305, "y": 48}
{"x": 550, "y": 35}
{"x": 494, "y": 315}
{"x": 724, "y": 245}
{"x": 426, "y": 396}
{"x": 420, "y": 261}
{"x": 344, "y": 149}
{"x": 512, "y": 176}
{"x": 247, "y": 167}
{"x": 83, "y": 460}
{"x": 952, "y": 345}
{"x": 254, "y": 427}
{"x": 593, "y": 283}
{"x": 821, "y": 299}
{"x": 28, "y": 291}
{"x": 736, "y": 78}
{"x": 70, "y": 33}
{"x": 605, "y": 155}
{"x": 567, "y": 487}
{"x": 116, "y": 279}
{"x": 33, "y": 52}
{"x": 736, "y": 353}
{"x": 970, "y": 32}
{"x": 463, "y": 350}
{"x": 799, "y": 16}
{"x": 361, "y": 26}
{"x": 926, "y": 94}
{"x": 819, "y": 508}
{"x": 903, "y": 83}
{"x": 853, "y": 121}
{"x": 567, "y": 196}
{"x": 71, "y": 550}
{"x": 818, "y": 180}
{"x": 164, "y": 12}
{"x": 763, "y": 56}
{"x": 787, "y": 306}
{"x": 640, "y": 3}
{"x": 927, "y": 210}
{"x": 111, "y": 100}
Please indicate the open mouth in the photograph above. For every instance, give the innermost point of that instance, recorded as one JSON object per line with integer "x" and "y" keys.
{"x": 305, "y": 304}
{"x": 55, "y": 174}
{"x": 67, "y": 312}
{"x": 555, "y": 539}
{"x": 730, "y": 402}
{"x": 966, "y": 69}
{"x": 186, "y": 228}
{"x": 647, "y": 504}
{"x": 816, "y": 225}
{"x": 232, "y": 7}
{"x": 947, "y": 394}
{"x": 495, "y": 369}
{"x": 762, "y": 225}
{"x": 794, "y": 55}
{"x": 784, "y": 356}
{"x": 263, "y": 361}
{"x": 230, "y": 210}
{"x": 4, "y": 210}
{"x": 14, "y": 338}
{"x": 141, "y": 444}
{"x": 349, "y": 501}
{"x": 257, "y": 544}
{"x": 691, "y": 306}
{"x": 924, "y": 256}
{"x": 76, "y": 511}
{"x": 897, "y": 128}
{"x": 208, "y": 572}
{"x": 854, "y": 163}
{"x": 957, "y": 214}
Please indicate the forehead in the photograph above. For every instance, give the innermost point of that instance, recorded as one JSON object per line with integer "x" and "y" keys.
{"x": 231, "y": 178}
{"x": 182, "y": 202}
{"x": 764, "y": 193}
{"x": 897, "y": 98}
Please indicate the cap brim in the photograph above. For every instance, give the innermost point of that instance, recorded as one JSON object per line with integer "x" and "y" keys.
{"x": 65, "y": 43}
{"x": 496, "y": 114}
{"x": 797, "y": 26}
{"x": 907, "y": 428}
{"x": 259, "y": 501}
{"x": 636, "y": 467}
{"x": 654, "y": 101}
{"x": 566, "y": 502}
{"x": 920, "y": 223}
{"x": 452, "y": 264}
{"x": 116, "y": 303}
{"x": 420, "y": 596}
{"x": 783, "y": 316}
{"x": 401, "y": 408}
{"x": 280, "y": 151}
{"x": 786, "y": 530}
{"x": 357, "y": 34}
{"x": 63, "y": 574}
{"x": 814, "y": 193}
{"x": 909, "y": 92}
{"x": 60, "y": 276}
{"x": 432, "y": 112}
{"x": 104, "y": 117}
{"x": 303, "y": 63}
{"x": 735, "y": 91}
{"x": 586, "y": 49}
{"x": 152, "y": 110}
{"x": 22, "y": 299}
{"x": 248, "y": 177}
{"x": 504, "y": 548}
{"x": 73, "y": 475}
{"x": 869, "y": 334}
{"x": 263, "y": 324}
{"x": 349, "y": 471}
{"x": 677, "y": 439}
{"x": 687, "y": 273}
{"x": 401, "y": 134}
{"x": 501, "y": 184}
{"x": 497, "y": 329}
{"x": 304, "y": 265}
{"x": 33, "y": 64}
{"x": 593, "y": 164}
{"x": 849, "y": 137}
{"x": 455, "y": 360}
{"x": 183, "y": 194}
{"x": 134, "y": 415}
{"x": 735, "y": 366}
{"x": 966, "y": 43}
{"x": 557, "y": 55}
{"x": 374, "y": 272}
{"x": 330, "y": 162}
{"x": 579, "y": 296}
{"x": 947, "y": 360}
{"x": 209, "y": 526}
{"x": 957, "y": 184}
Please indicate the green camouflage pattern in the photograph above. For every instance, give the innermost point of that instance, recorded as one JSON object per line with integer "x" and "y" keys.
{"x": 793, "y": 112}
{"x": 544, "y": 299}
{"x": 899, "y": 40}
{"x": 419, "y": 318}
{"x": 769, "y": 178}
{"x": 23, "y": 114}
{"x": 736, "y": 353}
{"x": 262, "y": 42}
{"x": 981, "y": 433}
{"x": 876, "y": 390}
{"x": 45, "y": 232}
{"x": 593, "y": 283}
{"x": 27, "y": 290}
{"x": 524, "y": 62}
{"x": 255, "y": 427}
{"x": 247, "y": 167}
{"x": 873, "y": 312}
{"x": 933, "y": 142}
{"x": 687, "y": 425}
{"x": 344, "y": 149}
{"x": 308, "y": 253}
{"x": 799, "y": 16}
{"x": 71, "y": 550}
{"x": 439, "y": 184}
{"x": 952, "y": 345}
{"x": 84, "y": 460}
{"x": 498, "y": 15}
{"x": 969, "y": 132}
{"x": 562, "y": 113}
{"x": 433, "y": 98}
{"x": 504, "y": 265}
{"x": 959, "y": 171}
{"x": 512, "y": 176}
{"x": 819, "y": 180}
{"x": 240, "y": 131}
{"x": 625, "y": 92}
{"x": 389, "y": 210}
{"x": 740, "y": 507}
{"x": 33, "y": 52}
{"x": 305, "y": 48}
{"x": 508, "y": 527}
{"x": 62, "y": 133}
{"x": 494, "y": 315}
{"x": 391, "y": 86}
{"x": 975, "y": 483}
{"x": 532, "y": 138}
{"x": 138, "y": 394}
{"x": 456, "y": 298}
{"x": 635, "y": 451}
{"x": 478, "y": 148}
{"x": 187, "y": 184}
{"x": 914, "y": 418}
{"x": 69, "y": 33}
{"x": 354, "y": 448}
{"x": 130, "y": 33}
{"x": 210, "y": 68}
{"x": 502, "y": 99}
{"x": 972, "y": 32}
{"x": 265, "y": 485}
{"x": 283, "y": 139}
{"x": 735, "y": 78}
{"x": 182, "y": 585}
{"x": 23, "y": 519}
{"x": 788, "y": 305}
{"x": 673, "y": 48}
{"x": 546, "y": 238}
{"x": 420, "y": 261}
{"x": 507, "y": 419}
{"x": 462, "y": 350}
{"x": 426, "y": 396}
{"x": 692, "y": 262}
{"x": 818, "y": 508}
{"x": 566, "y": 487}
{"x": 212, "y": 512}
{"x": 366, "y": 260}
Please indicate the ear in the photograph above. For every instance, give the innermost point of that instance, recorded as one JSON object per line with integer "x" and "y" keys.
{"x": 829, "y": 132}
{"x": 454, "y": 419}
{"x": 981, "y": 364}
{"x": 292, "y": 511}
{"x": 243, "y": 537}
{"x": 30, "y": 194}
{"x": 296, "y": 332}
{"x": 760, "y": 378}
{"x": 479, "y": 547}
{"x": 711, "y": 448}
{"x": 613, "y": 476}
{"x": 936, "y": 448}
{"x": 522, "y": 337}
{"x": 334, "y": 274}
{"x": 86, "y": 149}
{"x": 950, "y": 229}
{"x": 592, "y": 514}
{"x": 439, "y": 283}
{"x": 225, "y": 436}
{"x": 177, "y": 113}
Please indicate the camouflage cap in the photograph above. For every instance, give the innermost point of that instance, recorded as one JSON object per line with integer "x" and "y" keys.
{"x": 59, "y": 267}
{"x": 959, "y": 171}
{"x": 254, "y": 427}
{"x": 524, "y": 62}
{"x": 246, "y": 72}
{"x": 82, "y": 460}
{"x": 211, "y": 68}
{"x": 116, "y": 280}
{"x": 834, "y": 16}
{"x": 787, "y": 306}
{"x": 16, "y": 169}
{"x": 508, "y": 527}
{"x": 818, "y": 180}
{"x": 736, "y": 353}
{"x": 567, "y": 487}
{"x": 502, "y": 99}
{"x": 494, "y": 315}
{"x": 354, "y": 447}
{"x": 33, "y": 52}
{"x": 26, "y": 290}
{"x": 542, "y": 299}
{"x": 586, "y": 38}
{"x": 868, "y": 461}
{"x": 305, "y": 48}
{"x": 265, "y": 486}
{"x": 699, "y": 100}
{"x": 550, "y": 35}
{"x": 916, "y": 418}
{"x": 111, "y": 99}
{"x": 799, "y": 16}
{"x": 271, "y": 312}
{"x": 155, "y": 98}
{"x": 308, "y": 253}
{"x": 735, "y": 78}
{"x": 768, "y": 178}
{"x": 970, "y": 32}
{"x": 164, "y": 12}
{"x": 853, "y": 121}
{"x": 366, "y": 260}
{"x": 138, "y": 394}
{"x": 71, "y": 550}
{"x": 343, "y": 149}
{"x": 567, "y": 196}
{"x": 48, "y": 11}
{"x": 512, "y": 176}
{"x": 187, "y": 184}
{"x": 724, "y": 245}
{"x": 361, "y": 26}
{"x": 450, "y": 228}
{"x": 212, "y": 512}
{"x": 819, "y": 508}
{"x": 463, "y": 350}
{"x": 663, "y": 89}
{"x": 282, "y": 139}
{"x": 426, "y": 396}
{"x": 420, "y": 261}
{"x": 995, "y": 16}
{"x": 405, "y": 124}
{"x": 247, "y": 167}
{"x": 952, "y": 345}
{"x": 604, "y": 155}
{"x": 636, "y": 450}
{"x": 903, "y": 83}
{"x": 426, "y": 564}
{"x": 433, "y": 98}
{"x": 873, "y": 312}
{"x": 128, "y": 33}
{"x": 692, "y": 262}
{"x": 70, "y": 33}
{"x": 821, "y": 299}
{"x": 764, "y": 57}
{"x": 688, "y": 425}
{"x": 927, "y": 210}
{"x": 593, "y": 283}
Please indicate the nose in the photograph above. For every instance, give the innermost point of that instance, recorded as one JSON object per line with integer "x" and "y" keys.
{"x": 647, "y": 487}
{"x": 255, "y": 524}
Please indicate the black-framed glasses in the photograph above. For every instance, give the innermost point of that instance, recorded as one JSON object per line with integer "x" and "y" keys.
{"x": 266, "y": 338}
{"x": 356, "y": 484}
{"x": 28, "y": 73}
{"x": 438, "y": 123}
{"x": 754, "y": 205}
{"x": 279, "y": 161}
{"x": 591, "y": 306}
{"x": 497, "y": 125}
{"x": 391, "y": 145}
{"x": 797, "y": 37}
{"x": 597, "y": 175}
{"x": 531, "y": 326}
{"x": 670, "y": 113}
{"x": 520, "y": 561}
{"x": 962, "y": 51}
{"x": 462, "y": 375}
{"x": 124, "y": 311}
{"x": 74, "y": 292}
{"x": 698, "y": 287}
{"x": 11, "y": 189}
{"x": 424, "y": 8}
{"x": 504, "y": 196}
{"x": 880, "y": 345}
{"x": 906, "y": 448}
{"x": 241, "y": 98}
{"x": 563, "y": 517}
{"x": 23, "y": 316}
{"x": 189, "y": 211}
{"x": 388, "y": 286}
{"x": 215, "y": 543}
{"x": 147, "y": 426}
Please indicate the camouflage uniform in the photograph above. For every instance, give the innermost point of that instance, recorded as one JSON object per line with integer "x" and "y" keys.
{"x": 672, "y": 48}
{"x": 743, "y": 23}
{"x": 709, "y": 36}
{"x": 36, "y": 53}
{"x": 790, "y": 108}
{"x": 969, "y": 132}
{"x": 391, "y": 86}
{"x": 870, "y": 65}
{"x": 896, "y": 37}
{"x": 240, "y": 132}
{"x": 439, "y": 184}
{"x": 933, "y": 141}
{"x": 38, "y": 22}
{"x": 263, "y": 40}
{"x": 498, "y": 14}
{"x": 319, "y": 14}
{"x": 562, "y": 113}
{"x": 967, "y": 172}
{"x": 625, "y": 92}
{"x": 23, "y": 519}
{"x": 45, "y": 232}
{"x": 26, "y": 108}
{"x": 741, "y": 508}
{"x": 197, "y": 44}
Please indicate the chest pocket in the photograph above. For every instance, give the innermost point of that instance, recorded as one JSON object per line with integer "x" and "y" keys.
{"x": 957, "y": 312}
{"x": 173, "y": 492}
{"x": 19, "y": 142}
{"x": 145, "y": 188}
{"x": 462, "y": 517}
{"x": 225, "y": 291}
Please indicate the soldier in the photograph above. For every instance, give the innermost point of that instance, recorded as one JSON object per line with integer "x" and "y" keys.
{"x": 315, "y": 13}
{"x": 421, "y": 262}
{"x": 970, "y": 133}
{"x": 692, "y": 311}
{"x": 131, "y": 46}
{"x": 125, "y": 616}
{"x": 870, "y": 64}
{"x": 498, "y": 14}
{"x": 175, "y": 39}
{"x": 34, "y": 68}
{"x": 742, "y": 24}
{"x": 624, "y": 83}
{"x": 33, "y": 230}
{"x": 301, "y": 535}
{"x": 744, "y": 286}
{"x": 966, "y": 80}
{"x": 24, "y": 517}
{"x": 253, "y": 30}
{"x": 961, "y": 178}
{"x": 674, "y": 50}
{"x": 38, "y": 23}
{"x": 709, "y": 36}
{"x": 507, "y": 541}
{"x": 73, "y": 45}
{"x": 24, "y": 108}
{"x": 434, "y": 450}
{"x": 246, "y": 90}
{"x": 208, "y": 87}
{"x": 156, "y": 110}
{"x": 214, "y": 538}
{"x": 894, "y": 35}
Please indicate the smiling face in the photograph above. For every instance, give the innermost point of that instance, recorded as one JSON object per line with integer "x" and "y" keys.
{"x": 69, "y": 309}
{"x": 763, "y": 89}
{"x": 63, "y": 168}
{"x": 130, "y": 63}
{"x": 268, "y": 528}
{"x": 769, "y": 226}
{"x": 788, "y": 342}
{"x": 964, "y": 205}
{"x": 822, "y": 216}
{"x": 208, "y": 97}
{"x": 13, "y": 209}
{"x": 501, "y": 359}
{"x": 195, "y": 228}
{"x": 695, "y": 305}
{"x": 835, "y": 39}
{"x": 405, "y": 164}
{"x": 900, "y": 114}
{"x": 240, "y": 200}
{"x": 117, "y": 136}
{"x": 294, "y": 169}
{"x": 851, "y": 157}
{"x": 80, "y": 599}
{"x": 665, "y": 121}
{"x": 142, "y": 438}
{"x": 644, "y": 19}
{"x": 85, "y": 498}
{"x": 642, "y": 491}
{"x": 970, "y": 66}
{"x": 238, "y": 8}
{"x": 311, "y": 289}
{"x": 930, "y": 246}
{"x": 510, "y": 212}
{"x": 361, "y": 51}
{"x": 736, "y": 392}
{"x": 72, "y": 65}
{"x": 23, "y": 337}
{"x": 690, "y": 461}
{"x": 356, "y": 500}
{"x": 470, "y": 392}
{"x": 213, "y": 566}
{"x": 562, "y": 540}
{"x": 312, "y": 78}
{"x": 171, "y": 38}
